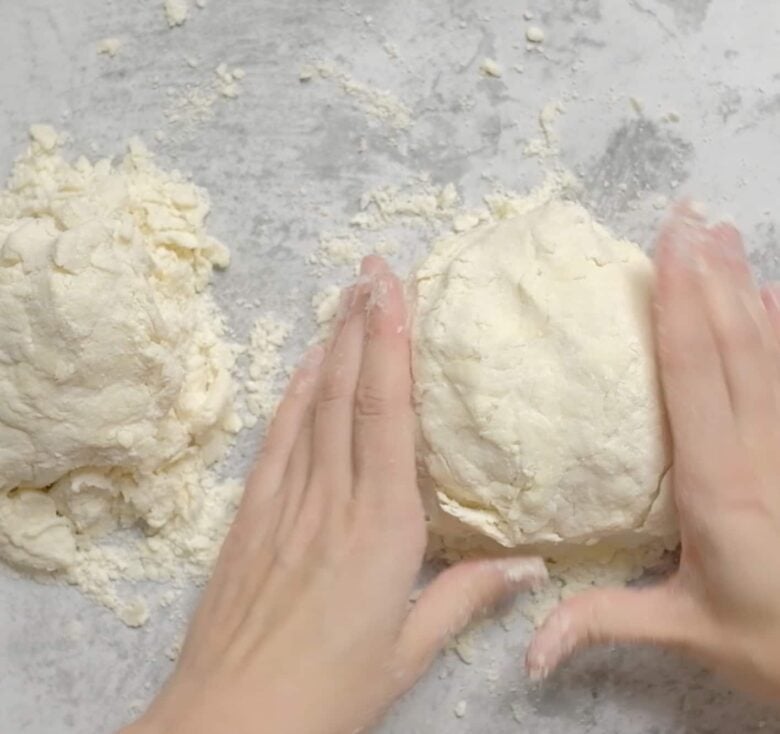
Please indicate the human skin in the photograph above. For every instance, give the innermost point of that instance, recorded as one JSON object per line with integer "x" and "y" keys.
{"x": 718, "y": 342}
{"x": 306, "y": 625}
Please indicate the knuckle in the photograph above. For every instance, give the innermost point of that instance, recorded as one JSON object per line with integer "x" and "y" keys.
{"x": 371, "y": 402}
{"x": 334, "y": 390}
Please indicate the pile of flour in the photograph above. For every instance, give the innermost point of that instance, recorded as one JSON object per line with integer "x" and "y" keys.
{"x": 116, "y": 392}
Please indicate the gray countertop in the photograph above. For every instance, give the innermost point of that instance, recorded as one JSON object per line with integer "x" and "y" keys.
{"x": 662, "y": 98}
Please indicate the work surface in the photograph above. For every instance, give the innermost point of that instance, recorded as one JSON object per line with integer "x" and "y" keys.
{"x": 661, "y": 97}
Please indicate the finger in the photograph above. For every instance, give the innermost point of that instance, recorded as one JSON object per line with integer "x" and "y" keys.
{"x": 456, "y": 597}
{"x": 694, "y": 385}
{"x": 741, "y": 329}
{"x": 658, "y": 615}
{"x": 384, "y": 419}
{"x": 770, "y": 296}
{"x": 266, "y": 476}
{"x": 296, "y": 476}
{"x": 332, "y": 448}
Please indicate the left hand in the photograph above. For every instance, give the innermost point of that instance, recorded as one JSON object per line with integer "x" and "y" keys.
{"x": 306, "y": 626}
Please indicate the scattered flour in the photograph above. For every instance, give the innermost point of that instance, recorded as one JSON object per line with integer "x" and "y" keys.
{"x": 325, "y": 304}
{"x": 534, "y": 34}
{"x": 547, "y": 145}
{"x": 377, "y": 103}
{"x": 266, "y": 368}
{"x": 337, "y": 250}
{"x": 109, "y": 46}
{"x": 188, "y": 108}
{"x": 419, "y": 200}
{"x": 490, "y": 67}
{"x": 176, "y": 12}
{"x": 227, "y": 80}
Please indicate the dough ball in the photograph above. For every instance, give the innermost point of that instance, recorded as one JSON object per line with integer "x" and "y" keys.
{"x": 540, "y": 416}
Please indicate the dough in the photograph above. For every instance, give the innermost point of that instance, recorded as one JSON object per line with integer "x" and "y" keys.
{"x": 536, "y": 388}
{"x": 115, "y": 381}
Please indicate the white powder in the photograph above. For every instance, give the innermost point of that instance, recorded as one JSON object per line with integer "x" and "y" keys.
{"x": 227, "y": 80}
{"x": 489, "y": 67}
{"x": 116, "y": 395}
{"x": 109, "y": 46}
{"x": 176, "y": 12}
{"x": 534, "y": 34}
{"x": 188, "y": 108}
{"x": 324, "y": 304}
{"x": 335, "y": 250}
{"x": 377, "y": 103}
{"x": 266, "y": 368}
{"x": 547, "y": 145}
{"x": 418, "y": 200}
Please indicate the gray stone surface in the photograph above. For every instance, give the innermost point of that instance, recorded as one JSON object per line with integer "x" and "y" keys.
{"x": 704, "y": 77}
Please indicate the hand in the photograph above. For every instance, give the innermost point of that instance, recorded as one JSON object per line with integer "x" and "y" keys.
{"x": 306, "y": 626}
{"x": 718, "y": 341}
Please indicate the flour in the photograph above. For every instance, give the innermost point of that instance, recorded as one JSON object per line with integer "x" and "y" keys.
{"x": 109, "y": 46}
{"x": 490, "y": 67}
{"x": 266, "y": 368}
{"x": 377, "y": 103}
{"x": 194, "y": 104}
{"x": 176, "y": 12}
{"x": 116, "y": 387}
{"x": 418, "y": 200}
{"x": 534, "y": 34}
{"x": 227, "y": 80}
{"x": 547, "y": 145}
{"x": 335, "y": 250}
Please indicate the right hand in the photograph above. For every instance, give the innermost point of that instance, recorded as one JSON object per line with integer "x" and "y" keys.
{"x": 718, "y": 340}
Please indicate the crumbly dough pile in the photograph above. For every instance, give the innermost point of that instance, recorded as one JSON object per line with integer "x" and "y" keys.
{"x": 116, "y": 391}
{"x": 536, "y": 387}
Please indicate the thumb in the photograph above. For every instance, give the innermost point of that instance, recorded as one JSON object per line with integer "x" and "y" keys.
{"x": 661, "y": 615}
{"x": 457, "y": 596}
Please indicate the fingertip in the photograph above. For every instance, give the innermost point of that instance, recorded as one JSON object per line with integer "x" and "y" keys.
{"x": 373, "y": 265}
{"x": 523, "y": 573}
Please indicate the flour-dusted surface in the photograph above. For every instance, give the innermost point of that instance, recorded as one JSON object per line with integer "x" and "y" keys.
{"x": 535, "y": 383}
{"x": 287, "y": 160}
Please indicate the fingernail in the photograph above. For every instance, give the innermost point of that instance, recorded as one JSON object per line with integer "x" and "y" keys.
{"x": 537, "y": 674}
{"x": 536, "y": 666}
{"x": 524, "y": 571}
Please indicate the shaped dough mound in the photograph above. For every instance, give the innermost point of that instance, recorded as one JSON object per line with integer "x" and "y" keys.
{"x": 540, "y": 417}
{"x": 115, "y": 379}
